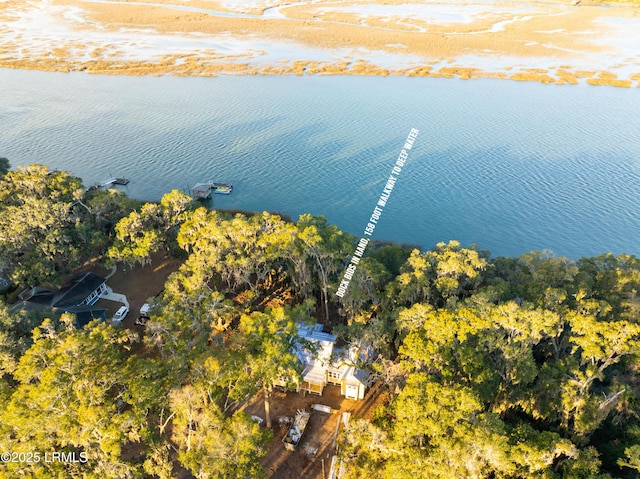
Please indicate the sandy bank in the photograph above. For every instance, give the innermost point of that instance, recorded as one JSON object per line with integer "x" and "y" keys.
{"x": 542, "y": 41}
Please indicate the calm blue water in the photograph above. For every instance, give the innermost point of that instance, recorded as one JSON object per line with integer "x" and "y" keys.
{"x": 510, "y": 166}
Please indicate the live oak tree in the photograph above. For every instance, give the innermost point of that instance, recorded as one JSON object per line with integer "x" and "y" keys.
{"x": 232, "y": 262}
{"x": 441, "y": 428}
{"x": 599, "y": 345}
{"x": 48, "y": 225}
{"x": 609, "y": 285}
{"x": 69, "y": 386}
{"x": 391, "y": 256}
{"x": 16, "y": 334}
{"x": 4, "y": 166}
{"x": 242, "y": 251}
{"x": 322, "y": 249}
{"x": 38, "y": 223}
{"x": 154, "y": 228}
{"x": 258, "y": 354}
{"x": 505, "y": 367}
{"x": 108, "y": 207}
{"x": 439, "y": 276}
{"x": 365, "y": 288}
{"x": 212, "y": 445}
{"x": 548, "y": 280}
{"x": 632, "y": 458}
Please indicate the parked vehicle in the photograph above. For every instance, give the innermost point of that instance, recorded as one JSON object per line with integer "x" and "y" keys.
{"x": 144, "y": 310}
{"x": 120, "y": 314}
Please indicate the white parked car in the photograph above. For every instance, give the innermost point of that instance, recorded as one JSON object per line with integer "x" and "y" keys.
{"x": 120, "y": 314}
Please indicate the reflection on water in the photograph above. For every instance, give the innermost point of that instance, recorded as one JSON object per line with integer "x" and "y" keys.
{"x": 509, "y": 166}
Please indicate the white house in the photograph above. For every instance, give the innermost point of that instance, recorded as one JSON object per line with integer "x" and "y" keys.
{"x": 352, "y": 380}
{"x": 323, "y": 364}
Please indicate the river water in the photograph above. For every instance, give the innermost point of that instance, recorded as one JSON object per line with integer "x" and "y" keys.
{"x": 509, "y": 166}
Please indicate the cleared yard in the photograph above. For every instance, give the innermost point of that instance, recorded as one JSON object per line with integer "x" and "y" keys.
{"x": 138, "y": 284}
{"x": 319, "y": 434}
{"x": 312, "y": 457}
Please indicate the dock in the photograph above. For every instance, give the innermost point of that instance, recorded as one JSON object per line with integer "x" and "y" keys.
{"x": 118, "y": 181}
{"x": 202, "y": 191}
{"x": 108, "y": 183}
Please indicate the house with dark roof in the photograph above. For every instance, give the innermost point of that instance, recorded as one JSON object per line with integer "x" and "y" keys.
{"x": 77, "y": 296}
{"x": 82, "y": 289}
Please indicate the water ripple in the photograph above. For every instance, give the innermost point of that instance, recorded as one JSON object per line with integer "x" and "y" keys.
{"x": 509, "y": 166}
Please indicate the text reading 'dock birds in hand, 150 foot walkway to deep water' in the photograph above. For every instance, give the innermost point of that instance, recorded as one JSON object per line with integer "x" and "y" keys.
{"x": 377, "y": 212}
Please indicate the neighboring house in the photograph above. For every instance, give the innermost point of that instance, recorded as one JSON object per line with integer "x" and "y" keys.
{"x": 82, "y": 289}
{"x": 77, "y": 297}
{"x": 323, "y": 364}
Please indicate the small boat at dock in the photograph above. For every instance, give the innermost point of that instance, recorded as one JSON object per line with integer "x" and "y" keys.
{"x": 222, "y": 188}
{"x": 202, "y": 191}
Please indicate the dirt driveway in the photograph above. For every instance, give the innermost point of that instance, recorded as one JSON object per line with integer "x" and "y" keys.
{"x": 312, "y": 457}
{"x": 138, "y": 284}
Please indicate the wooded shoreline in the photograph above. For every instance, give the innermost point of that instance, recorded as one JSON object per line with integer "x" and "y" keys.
{"x": 491, "y": 367}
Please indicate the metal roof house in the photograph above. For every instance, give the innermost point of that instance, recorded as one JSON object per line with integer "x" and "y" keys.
{"x": 325, "y": 365}
{"x": 77, "y": 297}
{"x": 352, "y": 380}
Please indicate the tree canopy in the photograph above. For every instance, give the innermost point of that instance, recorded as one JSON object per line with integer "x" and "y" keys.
{"x": 491, "y": 368}
{"x": 4, "y": 166}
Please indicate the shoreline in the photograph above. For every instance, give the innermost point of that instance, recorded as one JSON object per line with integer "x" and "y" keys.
{"x": 548, "y": 42}
{"x": 561, "y": 76}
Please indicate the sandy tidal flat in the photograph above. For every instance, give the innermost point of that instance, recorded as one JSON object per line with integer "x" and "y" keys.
{"x": 542, "y": 41}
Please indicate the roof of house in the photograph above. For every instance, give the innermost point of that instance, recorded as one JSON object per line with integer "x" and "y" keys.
{"x": 314, "y": 374}
{"x": 355, "y": 376}
{"x": 320, "y": 349}
{"x": 77, "y": 290}
{"x": 37, "y": 295}
{"x": 316, "y": 352}
{"x": 69, "y": 298}
{"x": 5, "y": 282}
{"x": 86, "y": 314}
